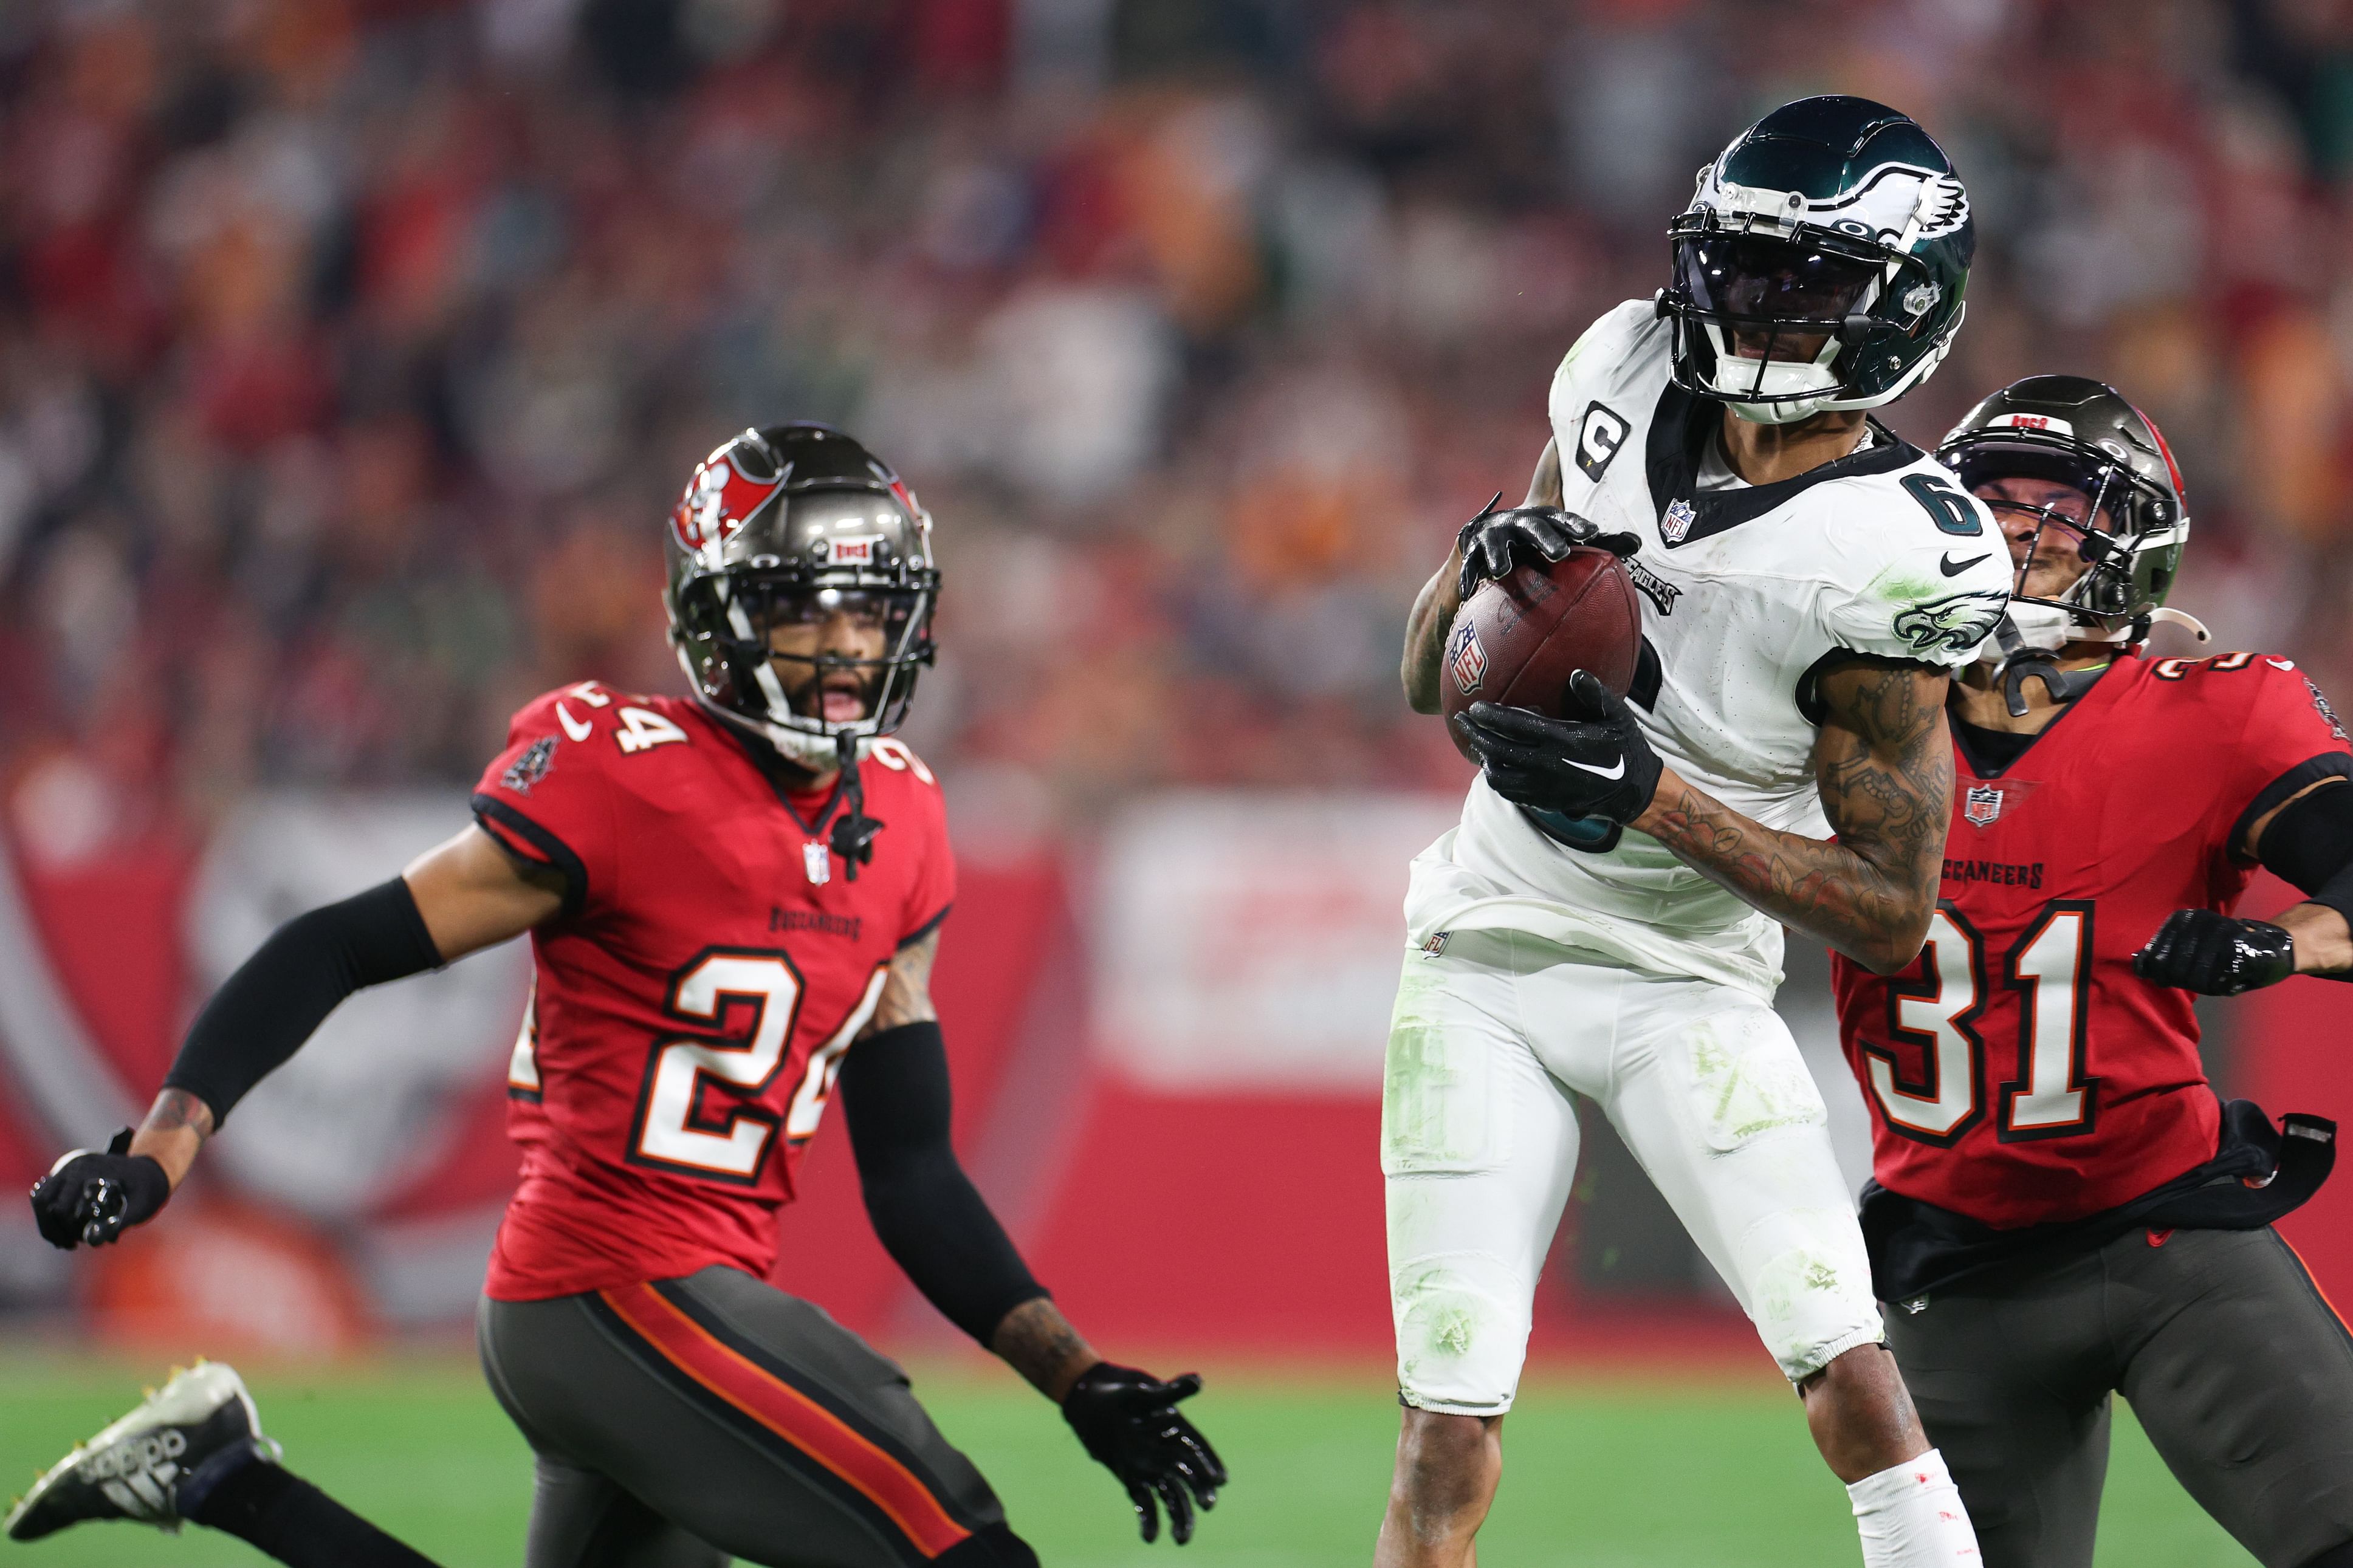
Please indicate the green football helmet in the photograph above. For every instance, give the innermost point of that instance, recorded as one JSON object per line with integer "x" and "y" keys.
{"x": 1822, "y": 263}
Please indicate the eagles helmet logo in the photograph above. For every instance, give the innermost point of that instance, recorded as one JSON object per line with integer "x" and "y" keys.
{"x": 1959, "y": 622}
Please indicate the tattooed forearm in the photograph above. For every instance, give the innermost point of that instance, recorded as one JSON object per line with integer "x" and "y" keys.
{"x": 1433, "y": 608}
{"x": 1885, "y": 772}
{"x": 177, "y": 1125}
{"x": 1425, "y": 635}
{"x": 907, "y": 990}
{"x": 1038, "y": 1341}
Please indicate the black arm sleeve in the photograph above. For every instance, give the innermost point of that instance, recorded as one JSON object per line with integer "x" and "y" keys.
{"x": 927, "y": 1211}
{"x": 263, "y": 1013}
{"x": 2310, "y": 846}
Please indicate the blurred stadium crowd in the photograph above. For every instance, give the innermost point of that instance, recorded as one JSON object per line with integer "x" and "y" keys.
{"x": 350, "y": 349}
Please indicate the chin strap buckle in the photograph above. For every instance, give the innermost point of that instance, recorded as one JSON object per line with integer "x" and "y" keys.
{"x": 851, "y": 840}
{"x": 2020, "y": 664}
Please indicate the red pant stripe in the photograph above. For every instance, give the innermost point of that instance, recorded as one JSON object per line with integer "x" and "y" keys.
{"x": 790, "y": 1413}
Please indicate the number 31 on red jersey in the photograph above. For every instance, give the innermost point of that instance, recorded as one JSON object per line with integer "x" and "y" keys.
{"x": 2052, "y": 1096}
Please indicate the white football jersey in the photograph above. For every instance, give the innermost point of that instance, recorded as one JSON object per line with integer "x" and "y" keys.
{"x": 1747, "y": 593}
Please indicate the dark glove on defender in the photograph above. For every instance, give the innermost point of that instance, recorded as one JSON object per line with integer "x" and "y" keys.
{"x": 1487, "y": 540}
{"x": 2216, "y": 955}
{"x": 1129, "y": 1423}
{"x": 1597, "y": 766}
{"x": 88, "y": 1199}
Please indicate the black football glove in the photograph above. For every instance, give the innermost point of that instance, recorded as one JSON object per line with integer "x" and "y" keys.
{"x": 1130, "y": 1425}
{"x": 1487, "y": 540}
{"x": 88, "y": 1200}
{"x": 1595, "y": 766}
{"x": 2216, "y": 955}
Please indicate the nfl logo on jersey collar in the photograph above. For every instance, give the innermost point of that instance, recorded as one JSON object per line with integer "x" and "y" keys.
{"x": 1675, "y": 522}
{"x": 1982, "y": 805}
{"x": 817, "y": 859}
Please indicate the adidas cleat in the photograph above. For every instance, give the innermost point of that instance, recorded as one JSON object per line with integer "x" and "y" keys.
{"x": 135, "y": 1468}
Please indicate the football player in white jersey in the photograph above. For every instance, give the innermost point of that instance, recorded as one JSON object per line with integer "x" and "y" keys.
{"x": 1607, "y": 918}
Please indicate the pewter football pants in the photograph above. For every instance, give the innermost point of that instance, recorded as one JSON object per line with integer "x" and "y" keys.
{"x": 680, "y": 1422}
{"x": 2237, "y": 1367}
{"x": 1490, "y": 1038}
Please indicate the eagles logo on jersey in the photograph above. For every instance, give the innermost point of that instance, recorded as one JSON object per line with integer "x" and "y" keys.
{"x": 1958, "y": 623}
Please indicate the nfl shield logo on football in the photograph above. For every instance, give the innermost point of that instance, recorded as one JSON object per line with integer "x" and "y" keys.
{"x": 818, "y": 861}
{"x": 1466, "y": 661}
{"x": 1982, "y": 805}
{"x": 1676, "y": 523}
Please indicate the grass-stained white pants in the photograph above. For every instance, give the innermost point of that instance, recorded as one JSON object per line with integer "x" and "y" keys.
{"x": 1490, "y": 1038}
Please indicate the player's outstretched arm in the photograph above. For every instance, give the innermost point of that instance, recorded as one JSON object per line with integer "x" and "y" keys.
{"x": 939, "y": 1229}
{"x": 466, "y": 894}
{"x": 1434, "y": 607}
{"x": 2307, "y": 841}
{"x": 1884, "y": 764}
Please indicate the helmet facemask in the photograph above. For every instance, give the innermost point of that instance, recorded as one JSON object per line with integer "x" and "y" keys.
{"x": 761, "y": 622}
{"x": 1774, "y": 315}
{"x": 2121, "y": 527}
{"x": 794, "y": 697}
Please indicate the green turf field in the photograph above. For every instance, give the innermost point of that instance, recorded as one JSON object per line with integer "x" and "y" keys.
{"x": 1599, "y": 1475}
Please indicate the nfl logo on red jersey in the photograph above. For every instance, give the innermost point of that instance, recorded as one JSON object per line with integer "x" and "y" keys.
{"x": 1466, "y": 661}
{"x": 1982, "y": 805}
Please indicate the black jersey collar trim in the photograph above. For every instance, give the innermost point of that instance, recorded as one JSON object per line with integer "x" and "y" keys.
{"x": 1681, "y": 427}
{"x": 1977, "y": 764}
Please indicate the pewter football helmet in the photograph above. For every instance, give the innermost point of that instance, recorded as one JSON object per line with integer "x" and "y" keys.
{"x": 797, "y": 520}
{"x": 2075, "y": 431}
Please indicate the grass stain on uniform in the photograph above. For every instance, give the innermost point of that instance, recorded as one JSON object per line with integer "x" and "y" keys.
{"x": 1434, "y": 1092}
{"x": 1742, "y": 1088}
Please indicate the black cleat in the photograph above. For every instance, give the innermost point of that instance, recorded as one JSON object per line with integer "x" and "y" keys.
{"x": 135, "y": 1468}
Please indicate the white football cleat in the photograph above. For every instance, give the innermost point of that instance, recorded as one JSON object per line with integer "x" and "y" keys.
{"x": 134, "y": 1468}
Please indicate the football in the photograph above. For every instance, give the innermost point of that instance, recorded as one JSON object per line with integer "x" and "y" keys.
{"x": 1517, "y": 639}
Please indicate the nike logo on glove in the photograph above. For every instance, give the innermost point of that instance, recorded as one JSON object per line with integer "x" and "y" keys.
{"x": 1952, "y": 568}
{"x": 1616, "y": 773}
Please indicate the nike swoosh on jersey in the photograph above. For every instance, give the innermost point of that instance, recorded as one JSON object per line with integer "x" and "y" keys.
{"x": 1952, "y": 568}
{"x": 577, "y": 729}
{"x": 1616, "y": 773}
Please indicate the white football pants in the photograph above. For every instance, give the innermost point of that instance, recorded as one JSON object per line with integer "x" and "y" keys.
{"x": 1479, "y": 1146}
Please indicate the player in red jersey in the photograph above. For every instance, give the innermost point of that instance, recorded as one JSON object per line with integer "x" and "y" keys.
{"x": 2062, "y": 1209}
{"x": 733, "y": 904}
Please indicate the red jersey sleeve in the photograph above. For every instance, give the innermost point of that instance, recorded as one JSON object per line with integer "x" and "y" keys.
{"x": 2291, "y": 739}
{"x": 933, "y": 885}
{"x": 546, "y": 799}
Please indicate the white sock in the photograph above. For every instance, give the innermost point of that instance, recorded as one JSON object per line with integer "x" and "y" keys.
{"x": 1910, "y": 1516}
